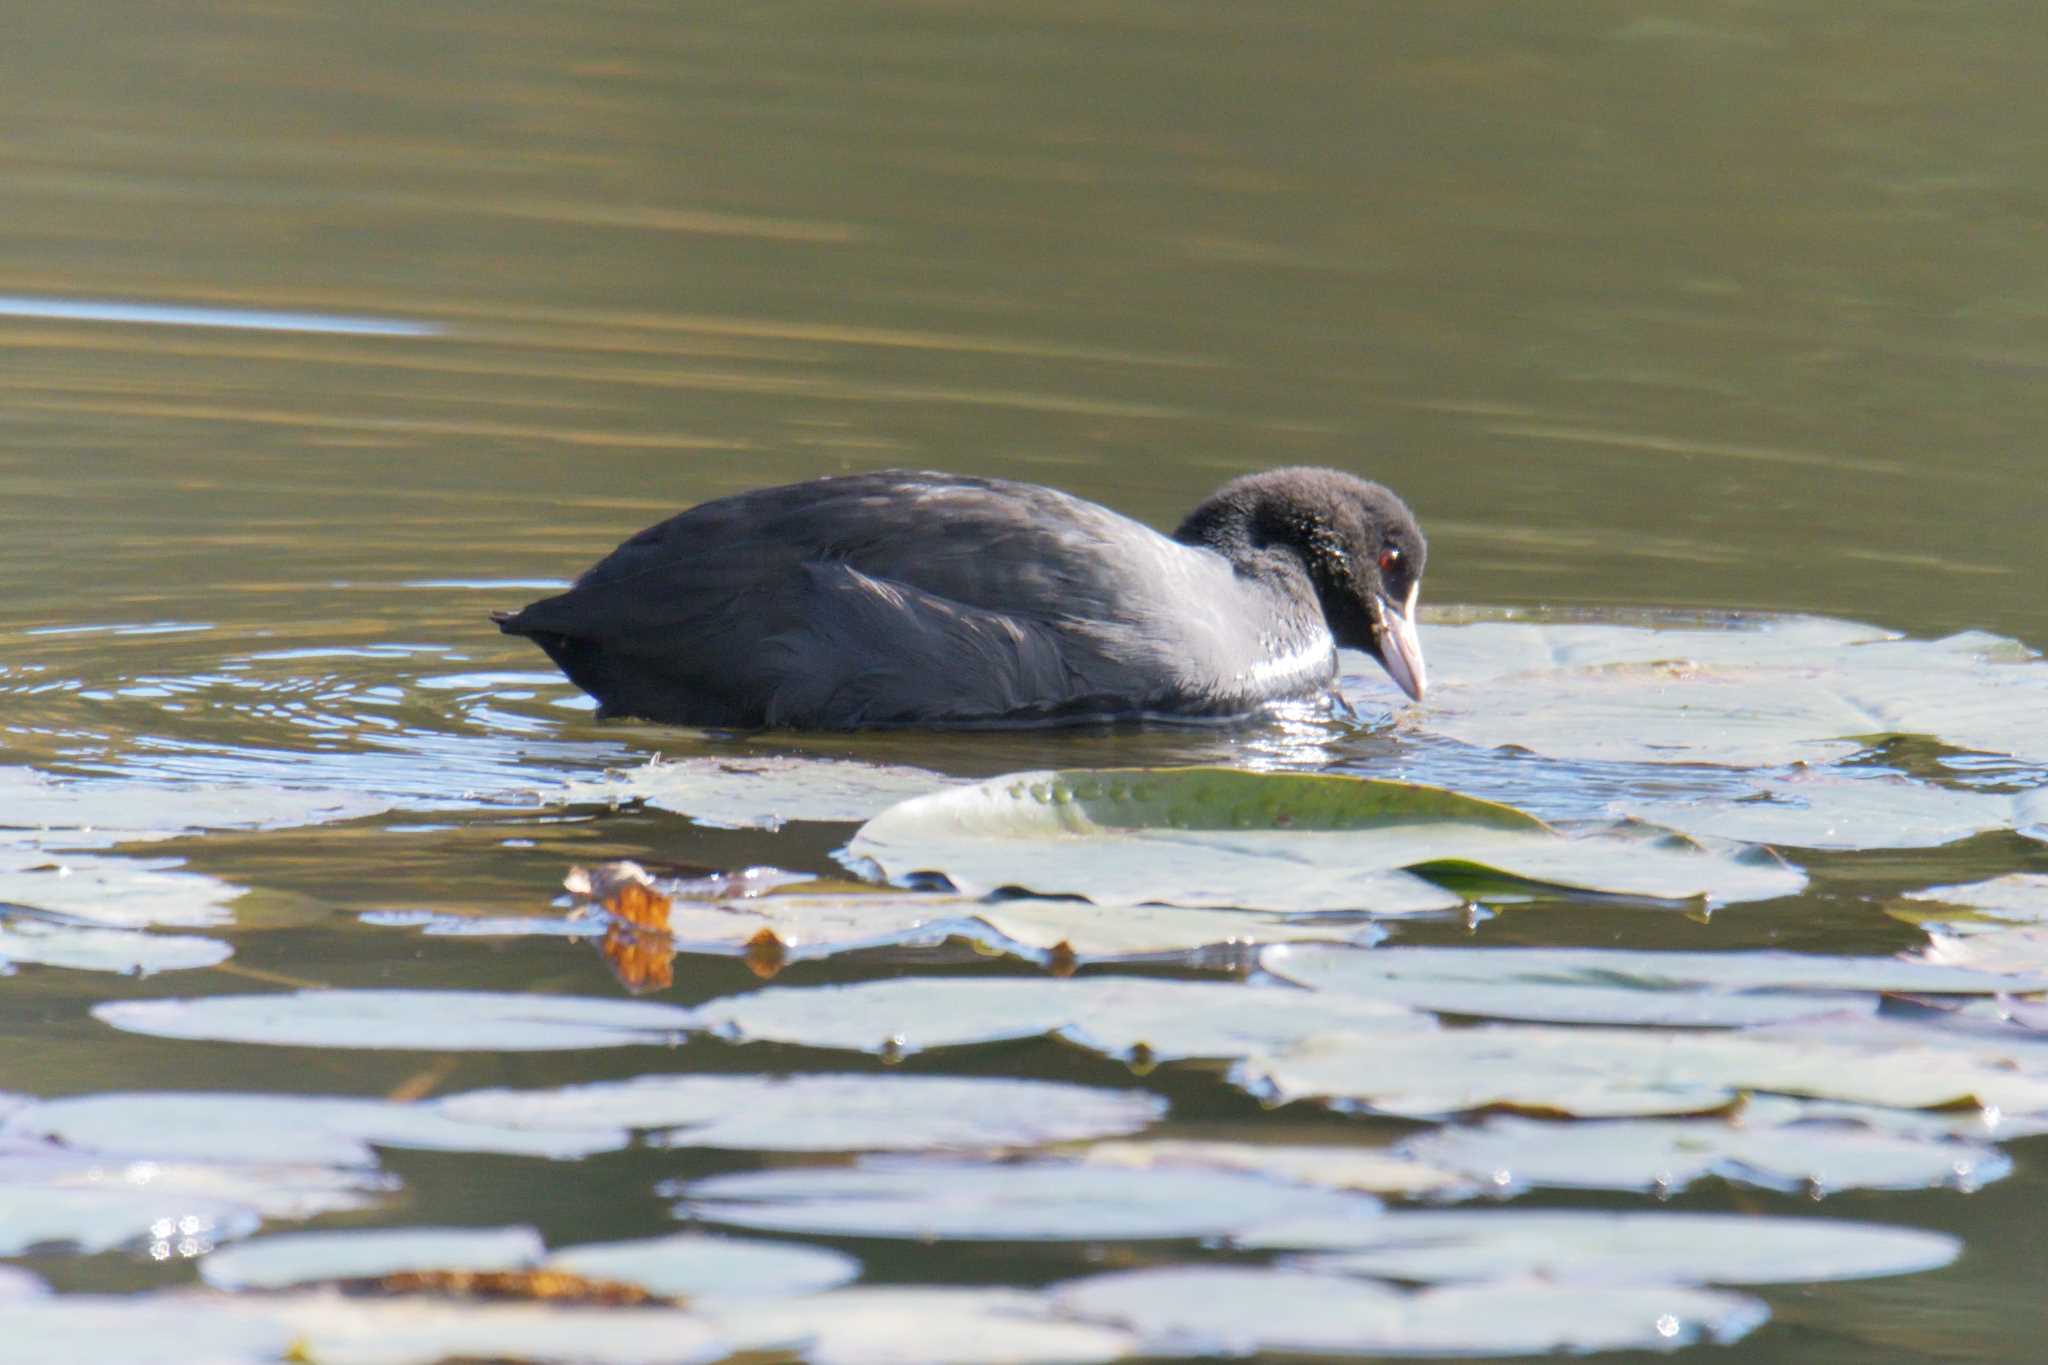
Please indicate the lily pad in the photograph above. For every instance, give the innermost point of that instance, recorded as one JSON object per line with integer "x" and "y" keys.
{"x": 1620, "y": 986}
{"x": 1326, "y": 1164}
{"x": 1035, "y": 1201}
{"x": 1752, "y": 693}
{"x": 759, "y": 791}
{"x": 1625, "y": 1072}
{"x": 697, "y": 1265}
{"x": 822, "y": 1113}
{"x": 54, "y": 942}
{"x": 1836, "y": 809}
{"x": 1596, "y": 1249}
{"x": 1812, "y": 1157}
{"x": 308, "y": 1257}
{"x": 2018, "y": 898}
{"x": 1221, "y": 838}
{"x": 1202, "y": 1310}
{"x": 962, "y": 1326}
{"x": 1117, "y": 1016}
{"x": 113, "y": 892}
{"x": 256, "y": 1127}
{"x": 437, "y": 1021}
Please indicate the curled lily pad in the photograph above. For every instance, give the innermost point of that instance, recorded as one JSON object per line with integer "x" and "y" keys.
{"x": 443, "y": 1021}
{"x": 1579, "y": 1247}
{"x": 821, "y": 1113}
{"x": 1620, "y": 986}
{"x": 1034, "y": 1201}
{"x": 1275, "y": 841}
{"x": 1201, "y": 1310}
{"x": 759, "y": 791}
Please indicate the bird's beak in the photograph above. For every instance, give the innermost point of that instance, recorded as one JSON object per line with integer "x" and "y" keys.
{"x": 1400, "y": 652}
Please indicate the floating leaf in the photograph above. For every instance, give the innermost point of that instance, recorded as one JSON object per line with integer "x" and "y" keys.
{"x": 1036, "y": 1201}
{"x": 1833, "y": 809}
{"x": 759, "y": 791}
{"x": 121, "y": 893}
{"x": 439, "y": 1021}
{"x": 53, "y": 942}
{"x": 1202, "y": 1310}
{"x": 254, "y": 1127}
{"x": 883, "y": 1325}
{"x": 1595, "y": 1249}
{"x": 1117, "y": 1016}
{"x": 1816, "y": 1157}
{"x": 1334, "y": 1167}
{"x": 1753, "y": 693}
{"x": 2018, "y": 898}
{"x": 1621, "y": 1072}
{"x": 822, "y": 1113}
{"x": 1222, "y": 838}
{"x": 697, "y": 1265}
{"x": 1620, "y": 986}
{"x": 308, "y": 1257}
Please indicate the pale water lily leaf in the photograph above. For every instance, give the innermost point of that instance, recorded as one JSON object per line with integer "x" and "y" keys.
{"x": 1620, "y": 986}
{"x": 2019, "y": 949}
{"x": 113, "y": 892}
{"x": 1117, "y": 1016}
{"x": 698, "y": 1265}
{"x": 83, "y": 813}
{"x": 256, "y": 1127}
{"x": 1587, "y": 1248}
{"x": 1838, "y": 809}
{"x": 822, "y": 1113}
{"x": 1754, "y": 693}
{"x": 440, "y": 1021}
{"x": 2018, "y": 898}
{"x": 925, "y": 1198}
{"x": 1221, "y": 838}
{"x": 54, "y": 942}
{"x": 759, "y": 791}
{"x": 1371, "y": 1169}
{"x": 306, "y": 1257}
{"x": 1202, "y": 1310}
{"x": 962, "y": 1326}
{"x": 1624, "y": 1072}
{"x": 1811, "y": 1156}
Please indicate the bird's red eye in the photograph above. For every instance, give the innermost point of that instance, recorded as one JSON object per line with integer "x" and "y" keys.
{"x": 1388, "y": 559}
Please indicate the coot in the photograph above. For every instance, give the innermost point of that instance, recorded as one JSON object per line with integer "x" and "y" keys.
{"x": 910, "y": 598}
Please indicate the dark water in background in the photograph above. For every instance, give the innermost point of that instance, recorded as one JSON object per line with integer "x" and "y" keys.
{"x": 1698, "y": 305}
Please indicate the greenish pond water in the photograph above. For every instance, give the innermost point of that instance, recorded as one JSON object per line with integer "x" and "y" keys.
{"x": 402, "y": 315}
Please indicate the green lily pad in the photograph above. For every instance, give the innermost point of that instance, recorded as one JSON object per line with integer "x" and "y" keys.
{"x": 1117, "y": 1016}
{"x": 1579, "y": 1247}
{"x": 1220, "y": 838}
{"x": 758, "y": 791}
{"x": 821, "y": 1113}
{"x": 929, "y": 1199}
{"x": 1619, "y": 986}
{"x": 436, "y": 1021}
{"x": 1201, "y": 1310}
{"x": 1807, "y": 1156}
